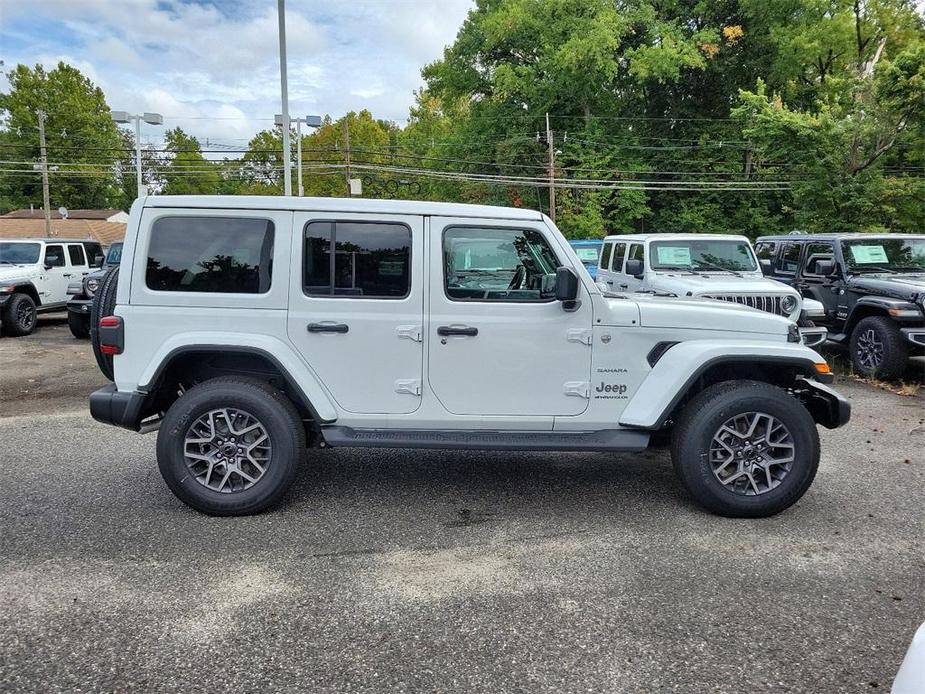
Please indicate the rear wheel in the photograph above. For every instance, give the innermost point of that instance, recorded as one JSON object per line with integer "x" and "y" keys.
{"x": 104, "y": 303}
{"x": 79, "y": 325}
{"x": 878, "y": 349}
{"x": 230, "y": 446}
{"x": 745, "y": 449}
{"x": 19, "y": 316}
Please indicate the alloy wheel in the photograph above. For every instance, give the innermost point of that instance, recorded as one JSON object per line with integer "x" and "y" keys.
{"x": 25, "y": 315}
{"x": 227, "y": 450}
{"x": 751, "y": 453}
{"x": 870, "y": 349}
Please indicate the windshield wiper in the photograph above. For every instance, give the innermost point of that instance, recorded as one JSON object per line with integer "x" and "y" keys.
{"x": 682, "y": 268}
{"x": 717, "y": 267}
{"x": 876, "y": 268}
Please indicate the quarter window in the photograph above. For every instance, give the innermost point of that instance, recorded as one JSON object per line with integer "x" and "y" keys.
{"x": 618, "y": 252}
{"x": 54, "y": 256}
{"x": 76, "y": 254}
{"x": 371, "y": 260}
{"x": 790, "y": 258}
{"x": 486, "y": 264}
{"x": 227, "y": 255}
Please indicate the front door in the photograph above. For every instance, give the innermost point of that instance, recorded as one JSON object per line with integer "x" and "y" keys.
{"x": 356, "y": 303}
{"x": 56, "y": 276}
{"x": 812, "y": 285}
{"x": 498, "y": 341}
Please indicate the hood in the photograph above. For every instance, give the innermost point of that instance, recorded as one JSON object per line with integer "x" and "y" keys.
{"x": 715, "y": 283}
{"x": 693, "y": 314}
{"x": 909, "y": 287}
{"x": 14, "y": 273}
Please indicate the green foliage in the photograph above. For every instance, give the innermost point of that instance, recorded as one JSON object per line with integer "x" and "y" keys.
{"x": 186, "y": 171}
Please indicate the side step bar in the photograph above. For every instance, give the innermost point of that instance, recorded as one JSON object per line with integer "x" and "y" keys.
{"x": 603, "y": 440}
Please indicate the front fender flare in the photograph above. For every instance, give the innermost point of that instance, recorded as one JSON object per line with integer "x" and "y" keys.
{"x": 681, "y": 365}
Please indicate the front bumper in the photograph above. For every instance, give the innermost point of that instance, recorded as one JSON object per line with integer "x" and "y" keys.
{"x": 827, "y": 407}
{"x": 915, "y": 335}
{"x": 119, "y": 408}
{"x": 80, "y": 306}
{"x": 813, "y": 337}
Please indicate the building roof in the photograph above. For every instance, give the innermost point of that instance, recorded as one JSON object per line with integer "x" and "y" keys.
{"x": 87, "y": 229}
{"x": 71, "y": 214}
{"x": 347, "y": 205}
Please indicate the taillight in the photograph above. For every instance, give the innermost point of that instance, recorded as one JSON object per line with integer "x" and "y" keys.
{"x": 112, "y": 335}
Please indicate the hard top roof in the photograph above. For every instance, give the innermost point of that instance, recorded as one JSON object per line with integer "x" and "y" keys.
{"x": 345, "y": 205}
{"x": 840, "y": 236}
{"x": 668, "y": 236}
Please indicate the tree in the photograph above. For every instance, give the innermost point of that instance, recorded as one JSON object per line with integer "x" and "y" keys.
{"x": 82, "y": 140}
{"x": 186, "y": 171}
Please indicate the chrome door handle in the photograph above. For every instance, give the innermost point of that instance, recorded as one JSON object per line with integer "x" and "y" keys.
{"x": 66, "y": 274}
{"x": 327, "y": 327}
{"x": 447, "y": 330}
{"x": 624, "y": 286}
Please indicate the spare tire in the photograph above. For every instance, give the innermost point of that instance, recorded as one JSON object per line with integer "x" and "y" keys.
{"x": 104, "y": 303}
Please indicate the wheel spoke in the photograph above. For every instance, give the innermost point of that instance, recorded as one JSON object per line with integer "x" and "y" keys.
{"x": 217, "y": 454}
{"x": 755, "y": 442}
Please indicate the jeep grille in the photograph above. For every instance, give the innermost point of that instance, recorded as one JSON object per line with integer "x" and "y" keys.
{"x": 763, "y": 302}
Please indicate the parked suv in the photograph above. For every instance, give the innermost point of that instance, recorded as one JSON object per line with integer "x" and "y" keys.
{"x": 81, "y": 291}
{"x": 589, "y": 253}
{"x": 34, "y": 274}
{"x": 247, "y": 329}
{"x": 704, "y": 266}
{"x": 871, "y": 285}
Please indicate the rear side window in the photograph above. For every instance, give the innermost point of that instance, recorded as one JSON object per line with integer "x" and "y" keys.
{"x": 605, "y": 256}
{"x": 790, "y": 258}
{"x": 76, "y": 254}
{"x": 226, "y": 255}
{"x": 618, "y": 252}
{"x": 371, "y": 260}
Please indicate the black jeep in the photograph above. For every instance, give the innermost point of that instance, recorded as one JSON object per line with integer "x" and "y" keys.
{"x": 81, "y": 293}
{"x": 872, "y": 287}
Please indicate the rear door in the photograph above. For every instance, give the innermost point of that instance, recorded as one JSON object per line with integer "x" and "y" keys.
{"x": 356, "y": 314}
{"x": 79, "y": 263}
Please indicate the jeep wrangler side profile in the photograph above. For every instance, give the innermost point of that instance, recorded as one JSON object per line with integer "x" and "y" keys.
{"x": 248, "y": 329}
{"x": 721, "y": 267}
{"x": 871, "y": 285}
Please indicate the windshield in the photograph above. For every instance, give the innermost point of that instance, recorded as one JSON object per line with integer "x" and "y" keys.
{"x": 588, "y": 254}
{"x": 708, "y": 255}
{"x": 114, "y": 255}
{"x": 885, "y": 254}
{"x": 16, "y": 253}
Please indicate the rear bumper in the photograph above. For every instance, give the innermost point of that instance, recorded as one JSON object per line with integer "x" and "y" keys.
{"x": 813, "y": 337}
{"x": 119, "y": 408}
{"x": 914, "y": 335}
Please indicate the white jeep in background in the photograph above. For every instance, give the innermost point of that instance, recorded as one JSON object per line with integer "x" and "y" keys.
{"x": 249, "y": 329}
{"x": 722, "y": 267}
{"x": 34, "y": 275}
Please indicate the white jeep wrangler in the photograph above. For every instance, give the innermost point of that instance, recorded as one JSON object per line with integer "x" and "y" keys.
{"x": 722, "y": 267}
{"x": 34, "y": 274}
{"x": 248, "y": 329}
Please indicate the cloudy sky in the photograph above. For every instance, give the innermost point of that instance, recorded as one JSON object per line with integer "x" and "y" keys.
{"x": 212, "y": 66}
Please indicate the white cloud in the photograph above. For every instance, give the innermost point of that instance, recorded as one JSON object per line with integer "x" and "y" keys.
{"x": 195, "y": 62}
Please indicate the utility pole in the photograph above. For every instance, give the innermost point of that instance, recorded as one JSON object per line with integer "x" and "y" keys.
{"x": 552, "y": 172}
{"x": 44, "y": 159}
{"x": 347, "y": 148}
{"x": 287, "y": 152}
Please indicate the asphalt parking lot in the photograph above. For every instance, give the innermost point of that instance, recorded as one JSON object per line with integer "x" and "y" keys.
{"x": 444, "y": 571}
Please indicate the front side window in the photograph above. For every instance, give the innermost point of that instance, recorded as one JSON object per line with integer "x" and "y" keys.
{"x": 12, "y": 253}
{"x": 708, "y": 255}
{"x": 637, "y": 252}
{"x": 76, "y": 254}
{"x": 814, "y": 253}
{"x": 54, "y": 256}
{"x": 114, "y": 256}
{"x": 371, "y": 260}
{"x": 885, "y": 254}
{"x": 485, "y": 264}
{"x": 766, "y": 250}
{"x": 226, "y": 255}
{"x": 790, "y": 258}
{"x": 618, "y": 252}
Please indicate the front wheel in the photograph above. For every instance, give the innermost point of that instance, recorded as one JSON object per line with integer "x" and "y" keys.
{"x": 230, "y": 446}
{"x": 878, "y": 349}
{"x": 745, "y": 449}
{"x": 19, "y": 316}
{"x": 79, "y": 325}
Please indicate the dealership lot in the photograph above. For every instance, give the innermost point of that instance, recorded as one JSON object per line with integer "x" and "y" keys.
{"x": 444, "y": 571}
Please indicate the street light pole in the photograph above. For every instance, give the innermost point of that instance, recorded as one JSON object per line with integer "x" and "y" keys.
{"x": 287, "y": 152}
{"x": 311, "y": 122}
{"x": 46, "y": 204}
{"x": 150, "y": 118}
{"x": 138, "y": 155}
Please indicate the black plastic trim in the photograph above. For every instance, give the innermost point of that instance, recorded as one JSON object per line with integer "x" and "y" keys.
{"x": 828, "y": 408}
{"x": 658, "y": 351}
{"x": 494, "y": 440}
{"x": 112, "y": 406}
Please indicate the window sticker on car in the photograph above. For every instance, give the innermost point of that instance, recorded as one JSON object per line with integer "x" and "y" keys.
{"x": 673, "y": 255}
{"x": 586, "y": 255}
{"x": 869, "y": 254}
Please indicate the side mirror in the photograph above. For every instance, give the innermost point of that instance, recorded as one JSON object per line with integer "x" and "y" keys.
{"x": 48, "y": 266}
{"x": 567, "y": 288}
{"x": 765, "y": 265}
{"x": 825, "y": 267}
{"x": 98, "y": 260}
{"x": 635, "y": 268}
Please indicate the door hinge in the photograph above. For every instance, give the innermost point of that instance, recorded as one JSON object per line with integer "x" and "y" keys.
{"x": 581, "y": 335}
{"x": 411, "y": 386}
{"x": 412, "y": 332}
{"x": 578, "y": 389}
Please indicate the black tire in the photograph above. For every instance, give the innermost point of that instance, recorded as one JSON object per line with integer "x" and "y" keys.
{"x": 805, "y": 323}
{"x": 19, "y": 316}
{"x": 270, "y": 407}
{"x": 893, "y": 355}
{"x": 104, "y": 303}
{"x": 703, "y": 418}
{"x": 79, "y": 325}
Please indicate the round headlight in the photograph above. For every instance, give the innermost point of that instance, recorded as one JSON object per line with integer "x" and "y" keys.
{"x": 788, "y": 303}
{"x": 93, "y": 285}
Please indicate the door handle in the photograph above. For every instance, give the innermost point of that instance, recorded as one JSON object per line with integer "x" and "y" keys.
{"x": 624, "y": 286}
{"x": 66, "y": 274}
{"x": 609, "y": 281}
{"x": 327, "y": 327}
{"x": 447, "y": 330}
